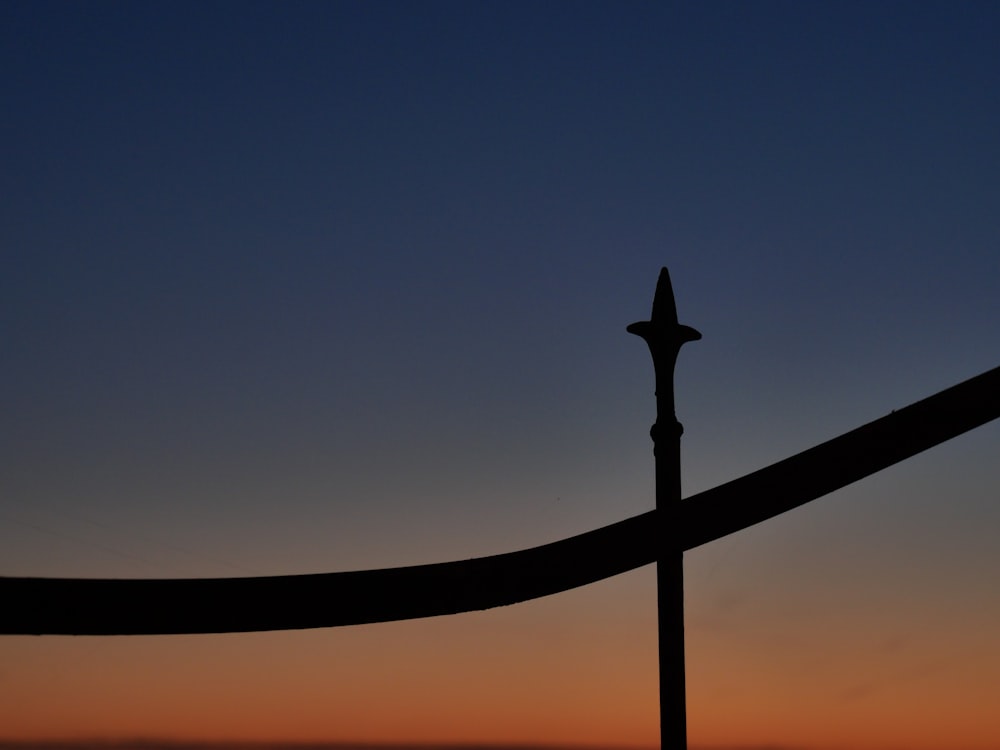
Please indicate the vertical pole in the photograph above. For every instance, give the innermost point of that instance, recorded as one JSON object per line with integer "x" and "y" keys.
{"x": 665, "y": 336}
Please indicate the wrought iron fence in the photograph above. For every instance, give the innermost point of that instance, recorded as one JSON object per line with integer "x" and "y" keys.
{"x": 67, "y": 606}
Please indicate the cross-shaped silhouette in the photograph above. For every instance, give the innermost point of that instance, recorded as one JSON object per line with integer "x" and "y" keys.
{"x": 66, "y": 606}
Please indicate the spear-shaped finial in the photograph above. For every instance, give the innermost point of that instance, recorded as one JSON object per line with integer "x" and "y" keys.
{"x": 662, "y": 329}
{"x": 664, "y": 336}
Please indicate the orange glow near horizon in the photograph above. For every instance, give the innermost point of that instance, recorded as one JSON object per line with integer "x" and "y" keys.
{"x": 457, "y": 679}
{"x": 518, "y": 675}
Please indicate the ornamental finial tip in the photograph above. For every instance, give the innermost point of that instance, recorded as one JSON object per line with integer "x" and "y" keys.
{"x": 664, "y": 305}
{"x": 662, "y": 326}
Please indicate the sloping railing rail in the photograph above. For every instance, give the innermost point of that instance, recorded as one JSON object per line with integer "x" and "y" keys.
{"x": 68, "y": 606}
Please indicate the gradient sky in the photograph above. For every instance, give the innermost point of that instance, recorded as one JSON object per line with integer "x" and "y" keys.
{"x": 305, "y": 287}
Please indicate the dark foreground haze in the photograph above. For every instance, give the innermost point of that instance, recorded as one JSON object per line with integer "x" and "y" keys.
{"x": 147, "y": 744}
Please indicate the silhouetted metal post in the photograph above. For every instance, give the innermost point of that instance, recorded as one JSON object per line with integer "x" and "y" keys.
{"x": 665, "y": 336}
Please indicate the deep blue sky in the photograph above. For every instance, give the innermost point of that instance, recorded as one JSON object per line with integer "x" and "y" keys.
{"x": 295, "y": 287}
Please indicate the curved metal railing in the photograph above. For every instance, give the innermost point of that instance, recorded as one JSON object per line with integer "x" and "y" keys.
{"x": 159, "y": 606}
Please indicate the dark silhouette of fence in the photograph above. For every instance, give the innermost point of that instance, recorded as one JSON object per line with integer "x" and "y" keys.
{"x": 65, "y": 606}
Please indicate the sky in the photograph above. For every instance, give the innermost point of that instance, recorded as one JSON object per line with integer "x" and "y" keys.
{"x": 306, "y": 287}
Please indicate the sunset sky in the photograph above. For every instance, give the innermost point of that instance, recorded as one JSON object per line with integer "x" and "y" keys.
{"x": 306, "y": 287}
